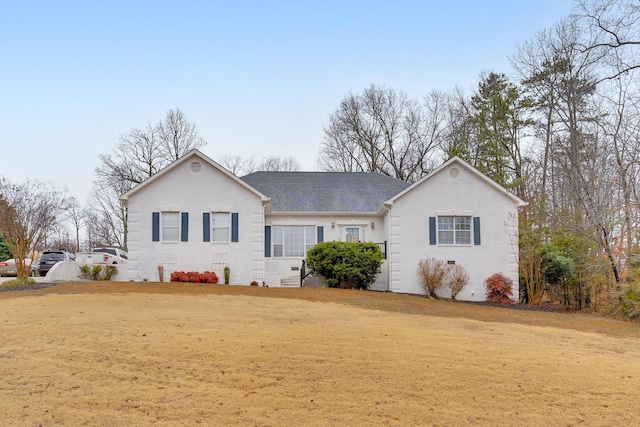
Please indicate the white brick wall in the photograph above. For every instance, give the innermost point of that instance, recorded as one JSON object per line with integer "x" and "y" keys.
{"x": 184, "y": 190}
{"x": 443, "y": 194}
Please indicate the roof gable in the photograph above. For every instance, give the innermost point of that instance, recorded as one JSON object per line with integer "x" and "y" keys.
{"x": 356, "y": 192}
{"x": 461, "y": 163}
{"x": 191, "y": 156}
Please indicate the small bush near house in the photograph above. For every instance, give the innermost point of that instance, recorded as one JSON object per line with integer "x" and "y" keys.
{"x": 194, "y": 277}
{"x": 97, "y": 272}
{"x": 432, "y": 274}
{"x": 457, "y": 279}
{"x": 227, "y": 275}
{"x": 109, "y": 271}
{"x": 499, "y": 288}
{"x": 352, "y": 265}
{"x": 85, "y": 272}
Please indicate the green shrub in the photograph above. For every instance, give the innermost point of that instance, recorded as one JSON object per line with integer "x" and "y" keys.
{"x": 109, "y": 271}
{"x": 5, "y": 252}
{"x": 227, "y": 275}
{"x": 346, "y": 264}
{"x": 85, "y": 272}
{"x": 557, "y": 266}
{"x": 630, "y": 301}
{"x": 97, "y": 272}
{"x": 499, "y": 288}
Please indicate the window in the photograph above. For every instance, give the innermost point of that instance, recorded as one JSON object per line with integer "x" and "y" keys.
{"x": 220, "y": 226}
{"x": 292, "y": 241}
{"x": 170, "y": 226}
{"x": 454, "y": 230}
{"x": 352, "y": 234}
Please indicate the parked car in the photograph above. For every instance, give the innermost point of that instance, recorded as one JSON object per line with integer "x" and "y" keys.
{"x": 51, "y": 258}
{"x": 8, "y": 267}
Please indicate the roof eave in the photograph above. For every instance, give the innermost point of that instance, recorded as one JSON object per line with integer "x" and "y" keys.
{"x": 455, "y": 159}
{"x": 197, "y": 153}
{"x": 323, "y": 213}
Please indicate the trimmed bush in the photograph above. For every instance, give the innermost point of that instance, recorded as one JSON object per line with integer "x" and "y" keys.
{"x": 194, "y": 277}
{"x": 499, "y": 288}
{"x": 109, "y": 271}
{"x": 457, "y": 279}
{"x": 432, "y": 274}
{"x": 97, "y": 272}
{"x": 346, "y": 264}
{"x": 85, "y": 272}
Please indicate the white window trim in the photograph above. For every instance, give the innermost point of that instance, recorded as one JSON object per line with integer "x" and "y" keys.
{"x": 211, "y": 227}
{"x": 362, "y": 232}
{"x": 454, "y": 244}
{"x": 162, "y": 226}
{"x": 289, "y": 225}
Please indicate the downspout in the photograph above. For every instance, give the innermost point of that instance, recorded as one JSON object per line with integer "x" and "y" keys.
{"x": 265, "y": 204}
{"x": 387, "y": 207}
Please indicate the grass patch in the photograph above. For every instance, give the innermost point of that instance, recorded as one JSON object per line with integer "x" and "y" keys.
{"x": 16, "y": 283}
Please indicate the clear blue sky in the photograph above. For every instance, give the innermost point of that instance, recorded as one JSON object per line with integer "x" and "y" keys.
{"x": 257, "y": 77}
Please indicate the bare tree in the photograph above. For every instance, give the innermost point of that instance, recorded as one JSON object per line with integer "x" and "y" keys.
{"x": 58, "y": 237}
{"x": 614, "y": 28}
{"x": 139, "y": 155}
{"x": 237, "y": 165}
{"x": 27, "y": 212}
{"x": 620, "y": 127}
{"x": 279, "y": 164}
{"x": 178, "y": 135}
{"x": 583, "y": 159}
{"x": 76, "y": 216}
{"x": 110, "y": 226}
{"x": 383, "y": 131}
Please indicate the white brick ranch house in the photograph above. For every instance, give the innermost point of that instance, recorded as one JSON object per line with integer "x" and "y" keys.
{"x": 194, "y": 215}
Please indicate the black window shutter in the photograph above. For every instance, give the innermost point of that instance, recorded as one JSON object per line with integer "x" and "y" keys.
{"x": 320, "y": 234}
{"x": 267, "y": 241}
{"x": 206, "y": 228}
{"x": 234, "y": 227}
{"x": 476, "y": 230}
{"x": 432, "y": 230}
{"x": 155, "y": 226}
{"x": 184, "y": 232}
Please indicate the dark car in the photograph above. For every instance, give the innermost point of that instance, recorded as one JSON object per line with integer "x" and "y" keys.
{"x": 51, "y": 258}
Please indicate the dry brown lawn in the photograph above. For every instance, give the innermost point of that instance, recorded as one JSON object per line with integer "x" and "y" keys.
{"x": 159, "y": 354}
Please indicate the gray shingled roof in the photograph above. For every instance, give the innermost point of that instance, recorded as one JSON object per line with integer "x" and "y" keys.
{"x": 325, "y": 191}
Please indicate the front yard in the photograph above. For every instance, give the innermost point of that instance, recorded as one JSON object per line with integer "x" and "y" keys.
{"x": 168, "y": 354}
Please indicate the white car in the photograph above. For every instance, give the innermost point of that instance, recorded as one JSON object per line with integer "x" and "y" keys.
{"x": 108, "y": 255}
